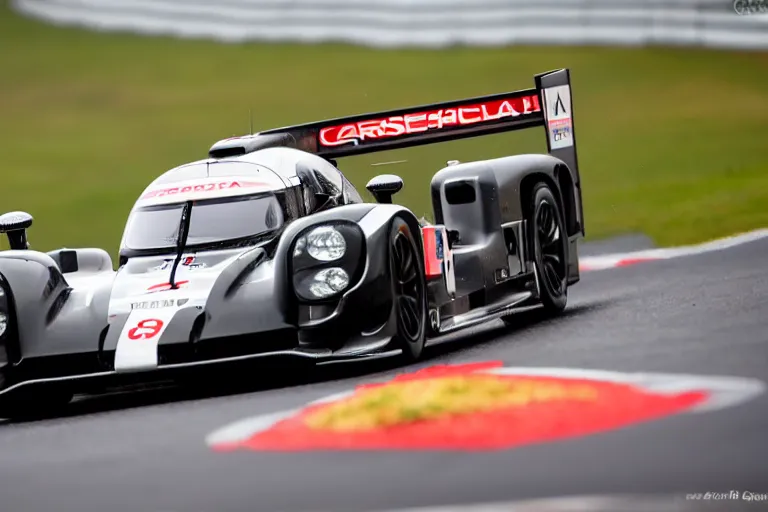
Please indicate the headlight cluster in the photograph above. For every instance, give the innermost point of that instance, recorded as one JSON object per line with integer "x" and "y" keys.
{"x": 326, "y": 260}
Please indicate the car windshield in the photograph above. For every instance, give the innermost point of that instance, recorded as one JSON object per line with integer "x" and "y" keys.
{"x": 212, "y": 221}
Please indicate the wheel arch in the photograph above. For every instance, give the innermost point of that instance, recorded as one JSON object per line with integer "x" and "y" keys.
{"x": 561, "y": 183}
{"x": 411, "y": 347}
{"x": 415, "y": 226}
{"x": 35, "y": 288}
{"x": 383, "y": 216}
{"x": 567, "y": 197}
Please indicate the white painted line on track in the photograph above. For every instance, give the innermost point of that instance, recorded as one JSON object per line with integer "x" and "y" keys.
{"x": 606, "y": 261}
{"x": 616, "y": 503}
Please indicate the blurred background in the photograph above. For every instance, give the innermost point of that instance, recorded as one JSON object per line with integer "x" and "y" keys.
{"x": 98, "y": 97}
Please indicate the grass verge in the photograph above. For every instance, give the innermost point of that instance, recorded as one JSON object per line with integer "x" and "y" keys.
{"x": 672, "y": 142}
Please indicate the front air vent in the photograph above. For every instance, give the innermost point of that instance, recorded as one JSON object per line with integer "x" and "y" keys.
{"x": 237, "y": 146}
{"x": 460, "y": 192}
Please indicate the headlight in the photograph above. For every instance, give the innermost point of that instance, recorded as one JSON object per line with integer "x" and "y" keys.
{"x": 327, "y": 260}
{"x": 329, "y": 281}
{"x": 323, "y": 244}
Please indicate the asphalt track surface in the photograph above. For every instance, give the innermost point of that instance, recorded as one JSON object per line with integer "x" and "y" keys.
{"x": 705, "y": 314}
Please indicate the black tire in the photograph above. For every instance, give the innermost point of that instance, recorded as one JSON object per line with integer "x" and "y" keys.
{"x": 546, "y": 235}
{"x": 409, "y": 290}
{"x": 34, "y": 404}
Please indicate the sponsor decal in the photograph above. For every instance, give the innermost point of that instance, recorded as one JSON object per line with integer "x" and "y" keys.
{"x": 165, "y": 265}
{"x": 558, "y": 116}
{"x": 561, "y": 130}
{"x": 187, "y": 261}
{"x": 559, "y": 106}
{"x": 157, "y": 304}
{"x": 482, "y": 406}
{"x": 420, "y": 122}
{"x": 432, "y": 237}
{"x": 202, "y": 187}
{"x": 438, "y": 258}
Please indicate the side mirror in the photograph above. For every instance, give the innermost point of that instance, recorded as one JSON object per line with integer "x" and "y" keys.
{"x": 15, "y": 225}
{"x": 384, "y": 186}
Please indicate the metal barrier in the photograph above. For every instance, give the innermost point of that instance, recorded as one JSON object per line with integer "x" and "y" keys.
{"x": 426, "y": 23}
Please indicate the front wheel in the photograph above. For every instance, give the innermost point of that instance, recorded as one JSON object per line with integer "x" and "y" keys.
{"x": 409, "y": 290}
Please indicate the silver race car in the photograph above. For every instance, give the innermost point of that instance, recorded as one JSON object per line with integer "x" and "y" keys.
{"x": 266, "y": 249}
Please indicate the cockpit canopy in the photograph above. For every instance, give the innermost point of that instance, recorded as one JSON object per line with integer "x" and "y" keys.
{"x": 212, "y": 221}
{"x": 232, "y": 202}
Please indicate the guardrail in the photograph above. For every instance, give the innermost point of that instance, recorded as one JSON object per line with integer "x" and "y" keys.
{"x": 426, "y": 23}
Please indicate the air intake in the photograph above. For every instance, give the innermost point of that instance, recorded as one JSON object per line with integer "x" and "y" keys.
{"x": 237, "y": 146}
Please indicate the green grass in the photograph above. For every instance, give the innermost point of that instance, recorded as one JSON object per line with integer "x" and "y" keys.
{"x": 672, "y": 142}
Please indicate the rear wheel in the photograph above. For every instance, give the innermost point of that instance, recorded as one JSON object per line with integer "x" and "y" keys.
{"x": 548, "y": 240}
{"x": 550, "y": 248}
{"x": 409, "y": 290}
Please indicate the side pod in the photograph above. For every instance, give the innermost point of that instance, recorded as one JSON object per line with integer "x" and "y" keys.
{"x": 438, "y": 265}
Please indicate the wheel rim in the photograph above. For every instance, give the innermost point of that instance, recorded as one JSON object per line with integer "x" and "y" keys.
{"x": 409, "y": 292}
{"x": 550, "y": 242}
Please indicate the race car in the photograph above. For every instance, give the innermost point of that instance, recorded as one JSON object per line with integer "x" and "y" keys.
{"x": 265, "y": 248}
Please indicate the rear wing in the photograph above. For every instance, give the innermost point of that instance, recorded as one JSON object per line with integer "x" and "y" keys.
{"x": 429, "y": 124}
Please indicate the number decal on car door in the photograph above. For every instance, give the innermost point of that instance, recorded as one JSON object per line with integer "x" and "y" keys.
{"x": 146, "y": 329}
{"x": 139, "y": 338}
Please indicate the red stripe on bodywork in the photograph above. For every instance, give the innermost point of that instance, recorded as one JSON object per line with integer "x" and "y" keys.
{"x": 165, "y": 286}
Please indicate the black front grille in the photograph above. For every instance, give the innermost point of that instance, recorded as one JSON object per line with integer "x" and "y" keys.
{"x": 232, "y": 346}
{"x": 54, "y": 366}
